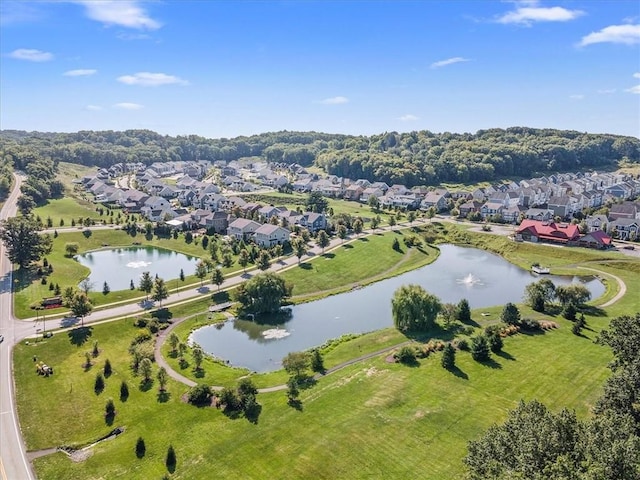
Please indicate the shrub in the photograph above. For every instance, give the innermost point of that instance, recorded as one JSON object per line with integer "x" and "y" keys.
{"x": 170, "y": 461}
{"x": 110, "y": 408}
{"x": 480, "y": 348}
{"x": 141, "y": 322}
{"x": 569, "y": 312}
{"x": 124, "y": 391}
{"x": 141, "y": 448}
{"x": 98, "y": 386}
{"x": 448, "y": 359}
{"x": 462, "y": 344}
{"x": 199, "y": 395}
{"x": 107, "y": 368}
{"x": 495, "y": 343}
{"x": 529, "y": 324}
{"x": 406, "y": 355}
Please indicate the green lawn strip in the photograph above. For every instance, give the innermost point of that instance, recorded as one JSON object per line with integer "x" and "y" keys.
{"x": 356, "y": 423}
{"x": 359, "y": 262}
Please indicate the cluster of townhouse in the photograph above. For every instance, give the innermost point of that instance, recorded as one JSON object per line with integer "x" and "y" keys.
{"x": 192, "y": 203}
{"x": 189, "y": 201}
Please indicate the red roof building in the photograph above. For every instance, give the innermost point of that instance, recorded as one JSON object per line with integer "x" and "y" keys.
{"x": 597, "y": 239}
{"x": 537, "y": 231}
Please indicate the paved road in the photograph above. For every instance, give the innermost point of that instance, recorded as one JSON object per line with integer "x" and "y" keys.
{"x": 13, "y": 461}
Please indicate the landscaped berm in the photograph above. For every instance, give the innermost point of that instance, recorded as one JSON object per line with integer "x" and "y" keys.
{"x": 370, "y": 419}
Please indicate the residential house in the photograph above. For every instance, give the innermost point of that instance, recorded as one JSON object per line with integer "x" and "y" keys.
{"x": 313, "y": 221}
{"x": 268, "y": 235}
{"x": 437, "y": 200}
{"x": 242, "y": 228}
{"x": 596, "y": 222}
{"x": 624, "y": 210}
{"x": 539, "y": 214}
{"x": 625, "y": 228}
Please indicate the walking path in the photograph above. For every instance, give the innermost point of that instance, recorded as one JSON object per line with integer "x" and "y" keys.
{"x": 622, "y": 287}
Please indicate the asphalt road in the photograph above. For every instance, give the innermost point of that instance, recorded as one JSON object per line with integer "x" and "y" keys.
{"x": 13, "y": 460}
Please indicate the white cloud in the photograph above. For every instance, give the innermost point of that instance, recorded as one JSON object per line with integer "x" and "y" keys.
{"x": 148, "y": 79}
{"x": 635, "y": 89}
{"x": 125, "y": 13}
{"x": 636, "y": 75}
{"x": 625, "y": 34}
{"x": 335, "y": 101}
{"x": 408, "y": 118}
{"x": 528, "y": 12}
{"x": 448, "y": 61}
{"x": 576, "y": 97}
{"x": 93, "y": 108}
{"x": 82, "y": 72}
{"x": 31, "y": 55}
{"x": 128, "y": 106}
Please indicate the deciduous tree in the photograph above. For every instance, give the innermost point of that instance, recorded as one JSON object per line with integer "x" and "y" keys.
{"x": 414, "y": 309}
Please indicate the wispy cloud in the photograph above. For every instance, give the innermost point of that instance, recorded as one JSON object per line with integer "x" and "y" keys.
{"x": 31, "y": 55}
{"x": 125, "y": 13}
{"x": 636, "y": 88}
{"x": 408, "y": 118}
{"x": 148, "y": 79}
{"x": 636, "y": 75}
{"x": 625, "y": 34}
{"x": 128, "y": 106}
{"x": 448, "y": 61}
{"x": 12, "y": 12}
{"x": 133, "y": 36}
{"x": 576, "y": 97}
{"x": 82, "y": 72}
{"x": 93, "y": 108}
{"x": 528, "y": 12}
{"x": 334, "y": 101}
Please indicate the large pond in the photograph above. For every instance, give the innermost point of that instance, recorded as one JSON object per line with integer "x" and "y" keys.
{"x": 483, "y": 278}
{"x": 119, "y": 266}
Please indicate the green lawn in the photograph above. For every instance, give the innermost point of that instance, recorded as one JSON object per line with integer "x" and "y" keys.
{"x": 357, "y": 423}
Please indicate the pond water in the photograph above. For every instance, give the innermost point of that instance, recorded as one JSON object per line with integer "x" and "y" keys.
{"x": 483, "y": 278}
{"x": 118, "y": 266}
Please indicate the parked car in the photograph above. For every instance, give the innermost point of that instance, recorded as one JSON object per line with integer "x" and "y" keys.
{"x": 1, "y": 338}
{"x": 629, "y": 247}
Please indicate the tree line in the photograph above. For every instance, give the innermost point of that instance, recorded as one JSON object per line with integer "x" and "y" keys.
{"x": 412, "y": 158}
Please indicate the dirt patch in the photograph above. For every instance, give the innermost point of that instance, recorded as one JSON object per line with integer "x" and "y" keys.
{"x": 390, "y": 359}
{"x": 418, "y": 414}
{"x": 81, "y": 455}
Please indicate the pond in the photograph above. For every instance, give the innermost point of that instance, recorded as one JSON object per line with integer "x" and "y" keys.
{"x": 483, "y": 278}
{"x": 118, "y": 266}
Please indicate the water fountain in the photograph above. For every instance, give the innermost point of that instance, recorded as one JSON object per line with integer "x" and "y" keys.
{"x": 469, "y": 280}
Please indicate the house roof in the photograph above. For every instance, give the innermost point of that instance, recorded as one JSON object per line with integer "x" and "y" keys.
{"x": 561, "y": 232}
{"x": 597, "y": 237}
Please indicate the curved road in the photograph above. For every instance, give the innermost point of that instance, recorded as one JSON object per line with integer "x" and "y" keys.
{"x": 13, "y": 461}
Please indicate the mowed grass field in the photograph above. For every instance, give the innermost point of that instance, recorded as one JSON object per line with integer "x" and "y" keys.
{"x": 372, "y": 419}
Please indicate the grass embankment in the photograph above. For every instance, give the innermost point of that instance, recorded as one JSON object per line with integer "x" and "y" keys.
{"x": 351, "y": 265}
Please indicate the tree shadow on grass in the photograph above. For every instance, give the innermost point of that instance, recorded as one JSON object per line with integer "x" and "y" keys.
{"x": 295, "y": 403}
{"x": 145, "y": 385}
{"x": 593, "y": 311}
{"x": 347, "y": 246}
{"x": 109, "y": 418}
{"x": 221, "y": 297}
{"x": 329, "y": 255}
{"x": 253, "y": 414}
{"x": 458, "y": 373}
{"x": 410, "y": 362}
{"x": 363, "y": 239}
{"x": 491, "y": 363}
{"x": 163, "y": 396}
{"x": 163, "y": 314}
{"x": 306, "y": 266}
{"x": 505, "y": 355}
{"x": 532, "y": 333}
{"x": 79, "y": 336}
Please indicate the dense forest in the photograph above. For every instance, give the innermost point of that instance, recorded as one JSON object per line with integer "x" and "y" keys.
{"x": 414, "y": 158}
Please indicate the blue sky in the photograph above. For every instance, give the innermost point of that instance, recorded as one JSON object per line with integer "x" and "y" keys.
{"x": 223, "y": 69}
